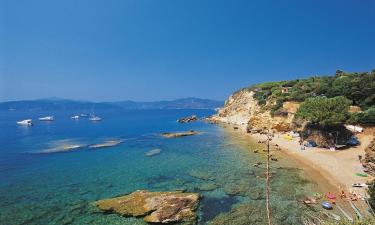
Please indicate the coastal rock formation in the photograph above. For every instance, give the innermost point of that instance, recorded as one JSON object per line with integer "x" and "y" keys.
{"x": 179, "y": 134}
{"x": 242, "y": 110}
{"x": 188, "y": 119}
{"x": 326, "y": 137}
{"x": 157, "y": 207}
{"x": 369, "y": 160}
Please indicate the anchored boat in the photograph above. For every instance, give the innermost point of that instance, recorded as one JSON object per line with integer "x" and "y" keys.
{"x": 27, "y": 122}
{"x": 46, "y": 118}
{"x": 95, "y": 118}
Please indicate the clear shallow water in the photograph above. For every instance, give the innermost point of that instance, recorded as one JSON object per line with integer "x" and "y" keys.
{"x": 59, "y": 188}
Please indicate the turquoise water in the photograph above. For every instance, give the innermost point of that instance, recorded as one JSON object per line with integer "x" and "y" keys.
{"x": 59, "y": 188}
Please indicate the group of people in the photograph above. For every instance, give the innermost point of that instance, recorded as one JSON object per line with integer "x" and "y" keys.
{"x": 351, "y": 197}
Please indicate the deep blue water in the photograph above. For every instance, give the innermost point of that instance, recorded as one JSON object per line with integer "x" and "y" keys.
{"x": 59, "y": 188}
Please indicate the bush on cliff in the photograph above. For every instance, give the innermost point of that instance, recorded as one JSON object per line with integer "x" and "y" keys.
{"x": 325, "y": 111}
{"x": 357, "y": 87}
{"x": 365, "y": 117}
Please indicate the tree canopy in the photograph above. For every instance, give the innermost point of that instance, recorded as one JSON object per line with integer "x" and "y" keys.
{"x": 325, "y": 111}
{"x": 357, "y": 87}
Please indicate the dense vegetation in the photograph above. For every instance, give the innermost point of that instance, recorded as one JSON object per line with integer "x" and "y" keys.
{"x": 325, "y": 111}
{"x": 359, "y": 88}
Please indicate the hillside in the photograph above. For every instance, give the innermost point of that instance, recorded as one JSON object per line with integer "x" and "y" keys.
{"x": 275, "y": 104}
{"x": 63, "y": 104}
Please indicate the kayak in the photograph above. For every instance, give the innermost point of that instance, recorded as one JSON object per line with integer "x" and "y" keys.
{"x": 331, "y": 196}
{"x": 361, "y": 174}
{"x": 327, "y": 205}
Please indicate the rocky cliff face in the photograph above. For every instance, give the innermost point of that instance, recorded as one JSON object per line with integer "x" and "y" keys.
{"x": 242, "y": 110}
{"x": 369, "y": 161}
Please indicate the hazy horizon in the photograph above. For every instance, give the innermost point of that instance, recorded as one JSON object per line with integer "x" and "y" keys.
{"x": 95, "y": 101}
{"x": 163, "y": 50}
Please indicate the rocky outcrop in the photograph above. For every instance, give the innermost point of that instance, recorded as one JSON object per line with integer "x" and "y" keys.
{"x": 369, "y": 160}
{"x": 242, "y": 110}
{"x": 156, "y": 207}
{"x": 188, "y": 119}
{"x": 179, "y": 134}
{"x": 326, "y": 137}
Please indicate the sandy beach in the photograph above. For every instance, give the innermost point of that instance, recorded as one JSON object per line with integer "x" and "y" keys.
{"x": 332, "y": 171}
{"x": 338, "y": 167}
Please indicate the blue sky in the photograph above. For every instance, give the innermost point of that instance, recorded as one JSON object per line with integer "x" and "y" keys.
{"x": 167, "y": 49}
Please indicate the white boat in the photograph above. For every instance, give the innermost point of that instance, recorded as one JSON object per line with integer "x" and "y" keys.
{"x": 95, "y": 118}
{"x": 46, "y": 118}
{"x": 28, "y": 122}
{"x": 75, "y": 117}
{"x": 359, "y": 185}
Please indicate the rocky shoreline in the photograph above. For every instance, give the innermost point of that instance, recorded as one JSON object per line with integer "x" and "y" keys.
{"x": 154, "y": 207}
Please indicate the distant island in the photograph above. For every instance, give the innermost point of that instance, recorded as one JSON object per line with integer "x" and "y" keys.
{"x": 66, "y": 104}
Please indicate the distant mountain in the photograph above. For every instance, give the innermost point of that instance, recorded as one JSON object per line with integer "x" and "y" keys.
{"x": 64, "y": 104}
{"x": 53, "y": 104}
{"x": 183, "y": 103}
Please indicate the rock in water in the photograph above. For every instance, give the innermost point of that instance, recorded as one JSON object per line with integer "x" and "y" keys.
{"x": 188, "y": 119}
{"x": 153, "y": 152}
{"x": 179, "y": 134}
{"x": 157, "y": 207}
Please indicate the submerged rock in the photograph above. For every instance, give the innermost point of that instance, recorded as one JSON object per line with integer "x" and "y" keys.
{"x": 208, "y": 187}
{"x": 153, "y": 152}
{"x": 157, "y": 207}
{"x": 106, "y": 144}
{"x": 179, "y": 134}
{"x": 202, "y": 175}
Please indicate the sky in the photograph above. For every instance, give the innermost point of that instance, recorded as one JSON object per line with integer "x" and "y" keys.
{"x": 147, "y": 50}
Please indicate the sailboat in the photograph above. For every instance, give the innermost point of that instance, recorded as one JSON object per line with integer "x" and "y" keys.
{"x": 93, "y": 117}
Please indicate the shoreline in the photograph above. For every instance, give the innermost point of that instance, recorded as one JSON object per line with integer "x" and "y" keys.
{"x": 337, "y": 167}
{"x": 328, "y": 171}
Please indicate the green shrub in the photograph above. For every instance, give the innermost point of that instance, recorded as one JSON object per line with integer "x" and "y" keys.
{"x": 366, "y": 117}
{"x": 325, "y": 111}
{"x": 357, "y": 87}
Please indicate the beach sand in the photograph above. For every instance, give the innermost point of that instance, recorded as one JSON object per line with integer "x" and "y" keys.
{"x": 332, "y": 171}
{"x": 339, "y": 167}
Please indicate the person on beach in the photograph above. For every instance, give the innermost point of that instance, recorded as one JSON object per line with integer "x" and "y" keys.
{"x": 301, "y": 144}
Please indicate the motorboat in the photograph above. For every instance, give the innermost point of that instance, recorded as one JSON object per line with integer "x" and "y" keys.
{"x": 95, "y": 118}
{"x": 75, "y": 117}
{"x": 46, "y": 118}
{"x": 27, "y": 122}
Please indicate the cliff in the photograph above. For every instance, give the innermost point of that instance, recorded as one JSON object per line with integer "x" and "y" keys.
{"x": 243, "y": 110}
{"x": 327, "y": 103}
{"x": 369, "y": 161}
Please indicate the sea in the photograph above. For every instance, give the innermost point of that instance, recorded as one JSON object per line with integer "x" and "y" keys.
{"x": 42, "y": 183}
